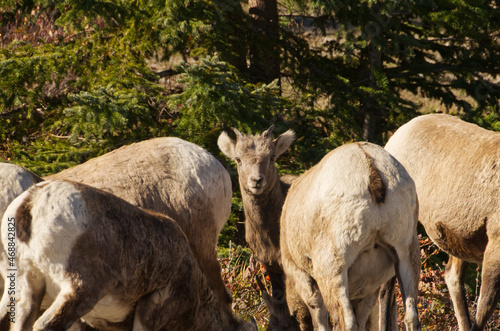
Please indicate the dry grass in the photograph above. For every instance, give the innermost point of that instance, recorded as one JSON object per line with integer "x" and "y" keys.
{"x": 239, "y": 270}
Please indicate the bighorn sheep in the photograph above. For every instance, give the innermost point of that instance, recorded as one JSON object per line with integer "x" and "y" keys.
{"x": 168, "y": 175}
{"x": 105, "y": 261}
{"x": 173, "y": 177}
{"x": 347, "y": 226}
{"x": 263, "y": 194}
{"x": 14, "y": 180}
{"x": 456, "y": 169}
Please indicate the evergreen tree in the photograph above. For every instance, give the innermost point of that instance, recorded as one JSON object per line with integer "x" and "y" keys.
{"x": 264, "y": 49}
{"x": 84, "y": 92}
{"x": 77, "y": 73}
{"x": 372, "y": 51}
{"x": 79, "y": 77}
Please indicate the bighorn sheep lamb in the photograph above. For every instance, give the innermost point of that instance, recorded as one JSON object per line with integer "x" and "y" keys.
{"x": 263, "y": 194}
{"x": 173, "y": 177}
{"x": 105, "y": 261}
{"x": 347, "y": 226}
{"x": 456, "y": 169}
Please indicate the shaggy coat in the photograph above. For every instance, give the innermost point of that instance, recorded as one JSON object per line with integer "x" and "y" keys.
{"x": 347, "y": 226}
{"x": 107, "y": 262}
{"x": 456, "y": 168}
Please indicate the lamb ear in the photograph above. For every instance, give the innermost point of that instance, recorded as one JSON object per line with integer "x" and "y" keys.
{"x": 268, "y": 133}
{"x": 284, "y": 141}
{"x": 227, "y": 145}
{"x": 239, "y": 135}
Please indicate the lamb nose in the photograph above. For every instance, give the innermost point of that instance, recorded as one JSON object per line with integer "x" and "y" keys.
{"x": 257, "y": 179}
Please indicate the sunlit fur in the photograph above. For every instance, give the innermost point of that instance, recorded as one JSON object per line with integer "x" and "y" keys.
{"x": 107, "y": 262}
{"x": 173, "y": 177}
{"x": 167, "y": 175}
{"x": 456, "y": 168}
{"x": 14, "y": 180}
{"x": 347, "y": 226}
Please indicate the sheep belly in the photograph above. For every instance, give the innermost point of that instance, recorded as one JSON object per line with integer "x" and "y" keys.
{"x": 110, "y": 309}
{"x": 373, "y": 267}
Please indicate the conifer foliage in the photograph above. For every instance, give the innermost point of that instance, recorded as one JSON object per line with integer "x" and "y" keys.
{"x": 77, "y": 74}
{"x": 372, "y": 51}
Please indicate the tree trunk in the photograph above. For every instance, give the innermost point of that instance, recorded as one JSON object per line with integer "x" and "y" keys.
{"x": 264, "y": 49}
{"x": 370, "y": 108}
{"x": 236, "y": 38}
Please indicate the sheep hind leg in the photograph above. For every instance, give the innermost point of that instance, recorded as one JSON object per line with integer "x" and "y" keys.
{"x": 363, "y": 310}
{"x": 298, "y": 309}
{"x": 408, "y": 274}
{"x": 307, "y": 289}
{"x": 30, "y": 295}
{"x": 211, "y": 267}
{"x": 388, "y": 309}
{"x": 72, "y": 302}
{"x": 334, "y": 286}
{"x": 454, "y": 276}
{"x": 490, "y": 285}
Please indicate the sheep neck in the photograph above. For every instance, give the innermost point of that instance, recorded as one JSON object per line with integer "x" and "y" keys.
{"x": 262, "y": 213}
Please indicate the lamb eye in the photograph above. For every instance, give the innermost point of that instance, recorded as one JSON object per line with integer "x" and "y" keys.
{"x": 238, "y": 160}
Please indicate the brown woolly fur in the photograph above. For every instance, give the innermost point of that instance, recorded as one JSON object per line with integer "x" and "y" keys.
{"x": 168, "y": 175}
{"x": 23, "y": 217}
{"x": 23, "y": 220}
{"x": 470, "y": 247}
{"x": 456, "y": 168}
{"x": 377, "y": 187}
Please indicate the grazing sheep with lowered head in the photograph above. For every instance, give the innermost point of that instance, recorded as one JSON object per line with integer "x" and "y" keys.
{"x": 106, "y": 262}
{"x": 173, "y": 177}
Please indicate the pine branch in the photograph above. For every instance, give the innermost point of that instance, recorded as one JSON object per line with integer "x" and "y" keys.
{"x": 64, "y": 137}
{"x": 13, "y": 110}
{"x": 167, "y": 73}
